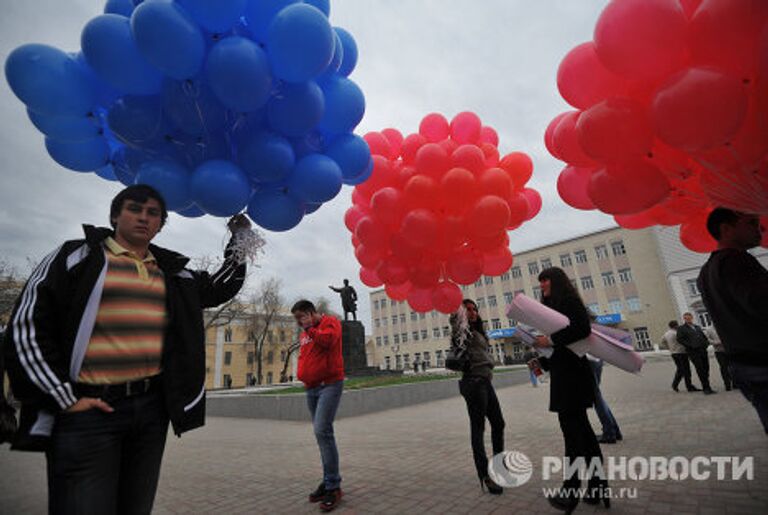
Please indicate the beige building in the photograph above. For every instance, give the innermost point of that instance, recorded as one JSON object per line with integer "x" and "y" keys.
{"x": 230, "y": 351}
{"x": 619, "y": 274}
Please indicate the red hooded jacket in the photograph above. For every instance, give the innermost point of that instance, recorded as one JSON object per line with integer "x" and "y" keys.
{"x": 320, "y": 359}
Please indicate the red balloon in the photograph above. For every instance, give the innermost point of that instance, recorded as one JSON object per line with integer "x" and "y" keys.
{"x": 452, "y": 234}
{"x": 534, "y": 202}
{"x": 432, "y": 160}
{"x": 449, "y": 146}
{"x": 420, "y": 227}
{"x": 352, "y": 216}
{"x": 446, "y": 297}
{"x": 465, "y": 266}
{"x": 402, "y": 248}
{"x": 421, "y": 191}
{"x": 572, "y": 187}
{"x": 497, "y": 262}
{"x": 378, "y": 144}
{"x": 495, "y": 181}
{"x": 489, "y": 216}
{"x": 491, "y": 154}
{"x": 634, "y": 221}
{"x": 359, "y": 199}
{"x": 617, "y": 129}
{"x": 469, "y": 157}
{"x": 465, "y": 128}
{"x": 395, "y": 139}
{"x": 519, "y": 167}
{"x": 370, "y": 278}
{"x": 518, "y": 209}
{"x": 689, "y": 7}
{"x": 764, "y": 228}
{"x": 695, "y": 237}
{"x": 405, "y": 174}
{"x": 393, "y": 271}
{"x": 420, "y": 300}
{"x": 425, "y": 274}
{"x": 642, "y": 39}
{"x": 368, "y": 257}
{"x": 372, "y": 233}
{"x": 387, "y": 206}
{"x": 381, "y": 177}
{"x": 411, "y": 146}
{"x": 698, "y": 109}
{"x": 566, "y": 142}
{"x": 490, "y": 243}
{"x": 549, "y": 134}
{"x": 489, "y": 135}
{"x": 456, "y": 187}
{"x": 582, "y": 79}
{"x": 628, "y": 189}
{"x": 398, "y": 292}
{"x": 434, "y": 127}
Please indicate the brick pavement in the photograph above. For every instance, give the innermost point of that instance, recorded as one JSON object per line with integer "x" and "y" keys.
{"x": 417, "y": 459}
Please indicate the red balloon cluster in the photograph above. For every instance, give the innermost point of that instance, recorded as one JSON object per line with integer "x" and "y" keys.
{"x": 436, "y": 210}
{"x": 671, "y": 114}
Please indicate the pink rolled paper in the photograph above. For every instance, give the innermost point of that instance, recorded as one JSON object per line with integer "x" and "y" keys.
{"x": 614, "y": 352}
{"x": 545, "y": 319}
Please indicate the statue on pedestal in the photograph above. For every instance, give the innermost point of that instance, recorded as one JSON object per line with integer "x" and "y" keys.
{"x": 348, "y": 299}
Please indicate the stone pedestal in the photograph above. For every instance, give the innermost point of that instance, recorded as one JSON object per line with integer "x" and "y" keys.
{"x": 353, "y": 351}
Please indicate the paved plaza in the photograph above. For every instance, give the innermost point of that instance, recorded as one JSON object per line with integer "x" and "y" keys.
{"x": 417, "y": 459}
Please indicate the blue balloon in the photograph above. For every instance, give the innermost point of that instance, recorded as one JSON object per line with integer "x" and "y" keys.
{"x": 338, "y": 57}
{"x": 215, "y": 15}
{"x": 193, "y": 108}
{"x": 267, "y": 157}
{"x": 220, "y": 188}
{"x": 260, "y": 13}
{"x": 344, "y": 106}
{"x": 169, "y": 38}
{"x": 170, "y": 179}
{"x": 49, "y": 81}
{"x": 351, "y": 153}
{"x": 323, "y": 5}
{"x": 65, "y": 128}
{"x": 310, "y": 208}
{"x": 81, "y": 156}
{"x": 312, "y": 143}
{"x": 104, "y": 94}
{"x": 296, "y": 109}
{"x": 300, "y": 42}
{"x": 238, "y": 73}
{"x": 121, "y": 7}
{"x": 362, "y": 177}
{"x": 137, "y": 119}
{"x": 110, "y": 50}
{"x": 315, "y": 178}
{"x": 191, "y": 212}
{"x": 126, "y": 162}
{"x": 350, "y": 51}
{"x": 107, "y": 173}
{"x": 275, "y": 210}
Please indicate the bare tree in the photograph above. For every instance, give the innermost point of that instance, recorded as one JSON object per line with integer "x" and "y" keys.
{"x": 323, "y": 306}
{"x": 265, "y": 309}
{"x": 230, "y": 310}
{"x": 10, "y": 289}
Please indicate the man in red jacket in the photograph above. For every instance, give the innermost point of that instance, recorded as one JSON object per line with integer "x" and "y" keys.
{"x": 321, "y": 369}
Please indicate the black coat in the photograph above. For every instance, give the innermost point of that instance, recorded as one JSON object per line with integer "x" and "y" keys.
{"x": 51, "y": 323}
{"x": 571, "y": 379}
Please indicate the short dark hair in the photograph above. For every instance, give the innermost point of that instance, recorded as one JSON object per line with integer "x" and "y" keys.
{"x": 688, "y": 313}
{"x": 673, "y": 324}
{"x": 305, "y": 306}
{"x": 138, "y": 193}
{"x": 719, "y": 216}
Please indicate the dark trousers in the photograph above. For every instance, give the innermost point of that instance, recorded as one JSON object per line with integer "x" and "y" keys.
{"x": 682, "y": 370}
{"x": 700, "y": 360}
{"x": 725, "y": 369}
{"x": 482, "y": 403}
{"x": 107, "y": 463}
{"x": 752, "y": 380}
{"x": 580, "y": 442}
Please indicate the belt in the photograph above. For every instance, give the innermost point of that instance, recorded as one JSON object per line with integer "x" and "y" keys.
{"x": 115, "y": 392}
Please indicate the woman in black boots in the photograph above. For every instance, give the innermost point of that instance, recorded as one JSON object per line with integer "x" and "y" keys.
{"x": 476, "y": 388}
{"x": 571, "y": 388}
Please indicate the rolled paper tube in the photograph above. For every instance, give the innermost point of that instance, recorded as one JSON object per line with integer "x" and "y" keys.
{"x": 535, "y": 314}
{"x": 614, "y": 352}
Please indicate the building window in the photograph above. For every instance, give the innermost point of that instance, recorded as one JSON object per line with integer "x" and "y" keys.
{"x": 488, "y": 279}
{"x": 269, "y": 377}
{"x": 435, "y": 332}
{"x": 404, "y": 337}
{"x": 633, "y": 303}
{"x": 508, "y": 297}
{"x": 386, "y": 339}
{"x": 586, "y": 283}
{"x": 377, "y": 323}
{"x": 516, "y": 272}
{"x": 537, "y": 293}
{"x": 282, "y": 336}
{"x": 270, "y": 357}
{"x": 407, "y": 360}
{"x": 608, "y": 279}
{"x": 594, "y": 308}
{"x": 375, "y": 304}
{"x": 505, "y": 276}
{"x": 414, "y": 316}
{"x": 492, "y": 301}
{"x": 496, "y": 323}
{"x": 227, "y": 334}
{"x": 446, "y": 330}
{"x": 533, "y": 268}
{"x": 625, "y": 275}
{"x": 227, "y": 358}
{"x": 479, "y": 283}
{"x": 415, "y": 336}
{"x": 481, "y": 302}
{"x": 248, "y": 379}
{"x": 439, "y": 358}
{"x": 693, "y": 288}
{"x": 427, "y": 359}
{"x": 227, "y": 381}
{"x": 615, "y": 306}
{"x": 396, "y": 339}
{"x": 388, "y": 362}
{"x": 601, "y": 251}
{"x": 434, "y": 314}
{"x": 394, "y": 319}
{"x": 642, "y": 339}
{"x": 282, "y": 356}
{"x": 546, "y": 263}
{"x": 251, "y": 336}
{"x": 249, "y": 359}
{"x": 423, "y": 334}
{"x": 398, "y": 361}
{"x": 402, "y": 318}
{"x": 378, "y": 341}
{"x": 422, "y": 316}
{"x": 392, "y": 303}
{"x": 271, "y": 336}
{"x": 565, "y": 260}
{"x": 618, "y": 248}
{"x": 580, "y": 256}
{"x": 704, "y": 319}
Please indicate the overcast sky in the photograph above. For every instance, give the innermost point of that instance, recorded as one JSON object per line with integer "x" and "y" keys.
{"x": 497, "y": 58}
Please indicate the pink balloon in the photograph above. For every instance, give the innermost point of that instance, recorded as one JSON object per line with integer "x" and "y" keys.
{"x": 534, "y": 202}
{"x": 420, "y": 300}
{"x": 370, "y": 278}
{"x": 582, "y": 79}
{"x": 446, "y": 297}
{"x": 465, "y": 128}
{"x": 549, "y": 134}
{"x": 642, "y": 39}
{"x": 566, "y": 142}
{"x": 410, "y": 146}
{"x": 395, "y": 140}
{"x": 434, "y": 127}
{"x": 489, "y": 135}
{"x": 616, "y": 129}
{"x": 572, "y": 186}
{"x": 378, "y": 144}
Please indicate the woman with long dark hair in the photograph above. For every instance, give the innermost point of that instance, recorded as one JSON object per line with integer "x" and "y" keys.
{"x": 571, "y": 388}
{"x": 476, "y": 388}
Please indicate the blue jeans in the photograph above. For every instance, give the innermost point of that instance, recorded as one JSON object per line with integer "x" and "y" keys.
{"x": 610, "y": 426}
{"x": 323, "y": 401}
{"x": 753, "y": 383}
{"x": 534, "y": 379}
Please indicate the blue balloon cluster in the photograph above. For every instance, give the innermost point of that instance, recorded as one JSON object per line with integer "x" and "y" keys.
{"x": 221, "y": 105}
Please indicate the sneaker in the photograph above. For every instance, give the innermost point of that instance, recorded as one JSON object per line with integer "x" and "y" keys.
{"x": 331, "y": 500}
{"x": 318, "y": 494}
{"x": 606, "y": 439}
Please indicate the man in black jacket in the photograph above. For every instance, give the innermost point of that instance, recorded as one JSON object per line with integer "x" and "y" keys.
{"x": 695, "y": 342}
{"x": 104, "y": 348}
{"x": 734, "y": 288}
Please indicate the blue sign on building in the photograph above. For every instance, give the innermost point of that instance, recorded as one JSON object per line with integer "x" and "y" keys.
{"x": 609, "y": 319}
{"x": 496, "y": 334}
